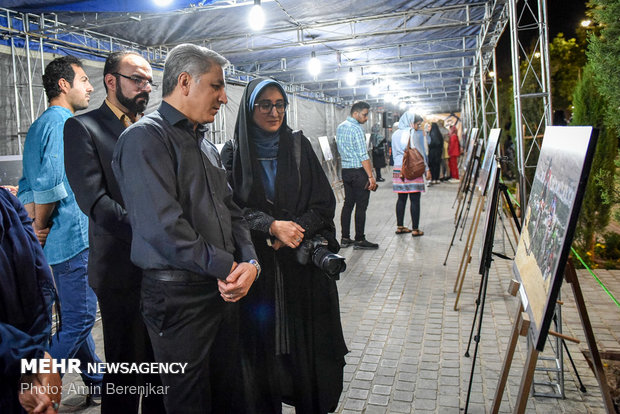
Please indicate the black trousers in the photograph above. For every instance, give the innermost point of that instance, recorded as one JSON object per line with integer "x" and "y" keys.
{"x": 189, "y": 322}
{"x": 355, "y": 196}
{"x": 414, "y": 208}
{"x": 378, "y": 172}
{"x": 125, "y": 339}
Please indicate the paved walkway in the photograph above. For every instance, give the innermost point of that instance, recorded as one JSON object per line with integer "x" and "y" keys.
{"x": 406, "y": 341}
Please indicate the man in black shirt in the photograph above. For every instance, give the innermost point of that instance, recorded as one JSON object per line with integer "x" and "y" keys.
{"x": 189, "y": 237}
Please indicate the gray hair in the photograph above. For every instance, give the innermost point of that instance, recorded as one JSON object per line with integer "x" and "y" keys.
{"x": 192, "y": 59}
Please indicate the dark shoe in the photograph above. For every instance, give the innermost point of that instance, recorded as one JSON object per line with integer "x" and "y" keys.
{"x": 365, "y": 245}
{"x": 380, "y": 180}
{"x": 346, "y": 242}
{"x": 94, "y": 397}
{"x": 417, "y": 233}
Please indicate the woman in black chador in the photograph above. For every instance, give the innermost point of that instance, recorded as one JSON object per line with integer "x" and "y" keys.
{"x": 293, "y": 347}
{"x": 435, "y": 150}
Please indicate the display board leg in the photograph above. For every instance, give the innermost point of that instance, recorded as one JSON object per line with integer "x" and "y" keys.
{"x": 456, "y": 229}
{"x": 519, "y": 328}
{"x": 466, "y": 214}
{"x": 526, "y": 380}
{"x": 482, "y": 298}
{"x": 582, "y": 387}
{"x": 458, "y": 274}
{"x": 571, "y": 277}
{"x": 468, "y": 249}
{"x": 478, "y": 301}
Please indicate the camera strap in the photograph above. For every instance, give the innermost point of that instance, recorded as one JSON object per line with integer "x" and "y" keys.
{"x": 297, "y": 152}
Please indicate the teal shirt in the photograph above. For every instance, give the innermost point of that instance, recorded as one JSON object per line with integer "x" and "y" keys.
{"x": 44, "y": 181}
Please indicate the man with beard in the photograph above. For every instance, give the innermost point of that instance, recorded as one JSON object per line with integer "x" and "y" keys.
{"x": 89, "y": 144}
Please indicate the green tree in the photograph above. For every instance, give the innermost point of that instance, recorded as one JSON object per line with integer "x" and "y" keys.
{"x": 567, "y": 58}
{"x": 604, "y": 55}
{"x": 590, "y": 109}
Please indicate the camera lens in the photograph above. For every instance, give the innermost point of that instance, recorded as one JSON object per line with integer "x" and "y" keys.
{"x": 329, "y": 262}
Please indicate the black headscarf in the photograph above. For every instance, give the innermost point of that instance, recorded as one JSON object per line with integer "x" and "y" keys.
{"x": 302, "y": 194}
{"x": 249, "y": 189}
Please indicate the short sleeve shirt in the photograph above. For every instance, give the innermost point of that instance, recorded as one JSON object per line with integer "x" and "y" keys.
{"x": 44, "y": 181}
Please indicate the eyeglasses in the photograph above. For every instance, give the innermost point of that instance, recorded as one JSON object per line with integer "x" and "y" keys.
{"x": 140, "y": 82}
{"x": 264, "y": 107}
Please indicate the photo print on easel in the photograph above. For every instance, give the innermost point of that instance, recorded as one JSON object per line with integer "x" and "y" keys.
{"x": 470, "y": 146}
{"x": 550, "y": 219}
{"x": 489, "y": 157}
{"x": 491, "y": 208}
{"x": 326, "y": 149}
{"x": 10, "y": 169}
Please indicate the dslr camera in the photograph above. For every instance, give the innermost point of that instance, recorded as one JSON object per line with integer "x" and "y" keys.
{"x": 316, "y": 250}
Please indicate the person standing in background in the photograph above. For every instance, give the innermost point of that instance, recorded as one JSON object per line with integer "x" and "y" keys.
{"x": 445, "y": 133}
{"x": 377, "y": 148}
{"x": 435, "y": 151}
{"x": 356, "y": 176}
{"x": 454, "y": 150}
{"x": 46, "y": 189}
{"x": 409, "y": 131}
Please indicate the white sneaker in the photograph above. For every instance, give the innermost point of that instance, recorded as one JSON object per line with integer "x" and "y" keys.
{"x": 454, "y": 180}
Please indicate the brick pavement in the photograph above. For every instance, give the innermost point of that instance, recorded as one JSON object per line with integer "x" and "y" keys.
{"x": 406, "y": 341}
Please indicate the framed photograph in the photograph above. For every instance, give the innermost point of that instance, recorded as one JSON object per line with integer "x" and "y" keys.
{"x": 491, "y": 206}
{"x": 326, "y": 149}
{"x": 473, "y": 136}
{"x": 549, "y": 221}
{"x": 10, "y": 169}
{"x": 489, "y": 157}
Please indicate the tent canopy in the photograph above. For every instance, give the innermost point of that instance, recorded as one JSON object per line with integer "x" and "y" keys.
{"x": 421, "y": 52}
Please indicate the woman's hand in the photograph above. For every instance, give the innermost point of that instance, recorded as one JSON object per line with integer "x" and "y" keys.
{"x": 277, "y": 243}
{"x": 288, "y": 232}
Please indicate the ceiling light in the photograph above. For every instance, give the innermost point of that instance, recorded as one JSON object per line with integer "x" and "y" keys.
{"x": 256, "y": 18}
{"x": 314, "y": 65}
{"x": 351, "y": 77}
{"x": 162, "y": 3}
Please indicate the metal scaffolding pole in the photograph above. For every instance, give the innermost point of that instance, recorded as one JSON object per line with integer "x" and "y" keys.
{"x": 495, "y": 91}
{"x": 531, "y": 80}
{"x": 42, "y": 60}
{"x": 29, "y": 67}
{"x": 15, "y": 89}
{"x": 491, "y": 106}
{"x": 483, "y": 100}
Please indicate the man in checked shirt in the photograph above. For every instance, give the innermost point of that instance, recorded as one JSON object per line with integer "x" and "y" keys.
{"x": 356, "y": 175}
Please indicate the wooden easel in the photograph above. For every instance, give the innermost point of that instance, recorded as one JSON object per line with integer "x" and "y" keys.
{"x": 336, "y": 184}
{"x": 461, "y": 209}
{"x": 469, "y": 245}
{"x": 521, "y": 327}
